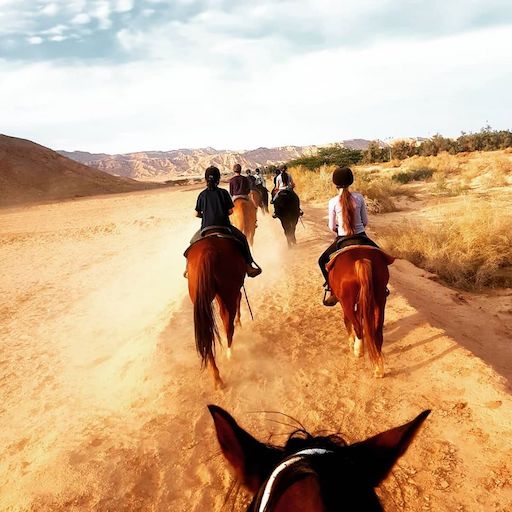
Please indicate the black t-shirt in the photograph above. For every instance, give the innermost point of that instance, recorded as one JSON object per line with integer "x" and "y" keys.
{"x": 214, "y": 206}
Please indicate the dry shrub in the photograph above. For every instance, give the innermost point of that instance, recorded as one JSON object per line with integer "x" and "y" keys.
{"x": 469, "y": 248}
{"x": 443, "y": 162}
{"x": 318, "y": 186}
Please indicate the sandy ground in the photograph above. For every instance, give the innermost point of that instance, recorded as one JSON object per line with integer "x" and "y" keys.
{"x": 103, "y": 405}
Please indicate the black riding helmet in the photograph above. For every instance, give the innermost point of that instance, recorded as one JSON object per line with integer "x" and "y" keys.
{"x": 342, "y": 177}
{"x": 212, "y": 174}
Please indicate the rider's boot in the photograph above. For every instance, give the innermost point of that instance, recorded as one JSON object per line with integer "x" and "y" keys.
{"x": 329, "y": 298}
{"x": 253, "y": 271}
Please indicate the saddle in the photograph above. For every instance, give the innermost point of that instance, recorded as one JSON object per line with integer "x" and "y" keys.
{"x": 213, "y": 231}
{"x": 348, "y": 241}
{"x": 240, "y": 198}
{"x": 372, "y": 247}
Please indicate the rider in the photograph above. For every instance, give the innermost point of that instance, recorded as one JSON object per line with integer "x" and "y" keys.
{"x": 284, "y": 181}
{"x": 214, "y": 206}
{"x": 251, "y": 178}
{"x": 239, "y": 186}
{"x": 347, "y": 217}
{"x": 260, "y": 179}
{"x": 277, "y": 172}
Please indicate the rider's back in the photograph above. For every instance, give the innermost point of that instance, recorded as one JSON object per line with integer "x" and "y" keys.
{"x": 239, "y": 186}
{"x": 215, "y": 205}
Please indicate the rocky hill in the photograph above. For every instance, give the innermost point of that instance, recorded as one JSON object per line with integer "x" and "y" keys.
{"x": 32, "y": 173}
{"x": 169, "y": 165}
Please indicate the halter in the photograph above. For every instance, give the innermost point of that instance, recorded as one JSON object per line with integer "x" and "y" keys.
{"x": 289, "y": 461}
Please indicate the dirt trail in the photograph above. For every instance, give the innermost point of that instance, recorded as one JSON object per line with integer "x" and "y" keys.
{"x": 103, "y": 404}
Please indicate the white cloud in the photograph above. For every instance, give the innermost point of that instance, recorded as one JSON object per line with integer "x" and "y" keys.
{"x": 123, "y": 5}
{"x": 35, "y": 40}
{"x": 50, "y": 9}
{"x": 102, "y": 11}
{"x": 81, "y": 19}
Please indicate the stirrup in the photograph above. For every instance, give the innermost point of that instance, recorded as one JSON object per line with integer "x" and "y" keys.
{"x": 330, "y": 300}
{"x": 254, "y": 272}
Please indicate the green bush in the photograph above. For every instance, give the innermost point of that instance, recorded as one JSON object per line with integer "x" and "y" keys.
{"x": 421, "y": 174}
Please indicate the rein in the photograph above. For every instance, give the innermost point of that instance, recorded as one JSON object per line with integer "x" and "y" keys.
{"x": 247, "y": 300}
{"x": 289, "y": 461}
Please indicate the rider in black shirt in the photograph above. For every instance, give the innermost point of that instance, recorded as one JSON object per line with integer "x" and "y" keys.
{"x": 214, "y": 206}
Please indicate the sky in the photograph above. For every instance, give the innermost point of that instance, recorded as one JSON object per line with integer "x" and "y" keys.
{"x": 118, "y": 76}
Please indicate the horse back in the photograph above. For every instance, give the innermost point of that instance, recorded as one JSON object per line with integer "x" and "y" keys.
{"x": 343, "y": 272}
{"x": 219, "y": 257}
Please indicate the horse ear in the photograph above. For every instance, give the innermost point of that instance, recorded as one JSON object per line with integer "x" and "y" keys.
{"x": 378, "y": 454}
{"x": 251, "y": 460}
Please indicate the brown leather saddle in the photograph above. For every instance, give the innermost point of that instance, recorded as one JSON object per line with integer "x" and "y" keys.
{"x": 214, "y": 231}
{"x": 332, "y": 258}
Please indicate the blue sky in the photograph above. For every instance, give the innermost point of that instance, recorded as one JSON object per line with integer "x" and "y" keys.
{"x": 128, "y": 75}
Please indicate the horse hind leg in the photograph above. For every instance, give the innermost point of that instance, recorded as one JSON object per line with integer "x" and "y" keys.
{"x": 353, "y": 325}
{"x": 229, "y": 313}
{"x": 217, "y": 381}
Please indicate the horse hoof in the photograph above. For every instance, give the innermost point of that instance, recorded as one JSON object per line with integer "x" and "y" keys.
{"x": 358, "y": 348}
{"x": 219, "y": 384}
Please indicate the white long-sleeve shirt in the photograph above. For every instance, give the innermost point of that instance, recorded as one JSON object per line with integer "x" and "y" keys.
{"x": 336, "y": 214}
{"x": 281, "y": 186}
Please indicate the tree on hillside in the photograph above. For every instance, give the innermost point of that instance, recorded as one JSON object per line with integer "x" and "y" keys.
{"x": 329, "y": 155}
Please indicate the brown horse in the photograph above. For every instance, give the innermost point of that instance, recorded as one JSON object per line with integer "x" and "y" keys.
{"x": 312, "y": 474}
{"x": 216, "y": 270}
{"x": 358, "y": 277}
{"x": 259, "y": 197}
{"x": 244, "y": 218}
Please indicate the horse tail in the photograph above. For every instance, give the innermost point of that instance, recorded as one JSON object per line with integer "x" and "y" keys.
{"x": 205, "y": 325}
{"x": 366, "y": 308}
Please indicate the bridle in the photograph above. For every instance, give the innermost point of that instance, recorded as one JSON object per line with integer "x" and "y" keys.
{"x": 291, "y": 460}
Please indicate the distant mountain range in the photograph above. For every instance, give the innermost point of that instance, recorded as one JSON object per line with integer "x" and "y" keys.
{"x": 179, "y": 163}
{"x": 30, "y": 173}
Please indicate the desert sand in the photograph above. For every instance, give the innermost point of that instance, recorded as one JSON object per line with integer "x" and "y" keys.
{"x": 103, "y": 404}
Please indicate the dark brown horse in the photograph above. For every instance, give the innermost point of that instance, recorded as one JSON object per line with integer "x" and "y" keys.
{"x": 358, "y": 277}
{"x": 287, "y": 210}
{"x": 216, "y": 270}
{"x": 312, "y": 474}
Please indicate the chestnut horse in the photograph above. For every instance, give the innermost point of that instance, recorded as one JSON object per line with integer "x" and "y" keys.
{"x": 358, "y": 277}
{"x": 244, "y": 218}
{"x": 312, "y": 474}
{"x": 216, "y": 270}
{"x": 259, "y": 197}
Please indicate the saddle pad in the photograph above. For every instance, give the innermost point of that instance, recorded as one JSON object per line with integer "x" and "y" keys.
{"x": 212, "y": 233}
{"x": 347, "y": 241}
{"x": 389, "y": 259}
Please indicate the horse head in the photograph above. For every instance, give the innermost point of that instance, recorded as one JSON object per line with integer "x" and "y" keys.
{"x": 312, "y": 473}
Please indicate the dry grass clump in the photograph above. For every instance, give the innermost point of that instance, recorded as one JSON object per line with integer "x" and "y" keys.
{"x": 443, "y": 162}
{"x": 318, "y": 186}
{"x": 468, "y": 248}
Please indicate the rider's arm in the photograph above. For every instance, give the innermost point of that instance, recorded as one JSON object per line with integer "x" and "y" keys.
{"x": 332, "y": 217}
{"x": 364, "y": 213}
{"x": 199, "y": 206}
